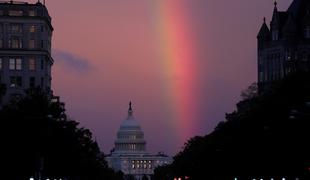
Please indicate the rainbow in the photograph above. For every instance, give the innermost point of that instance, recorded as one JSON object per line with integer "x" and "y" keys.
{"x": 177, "y": 51}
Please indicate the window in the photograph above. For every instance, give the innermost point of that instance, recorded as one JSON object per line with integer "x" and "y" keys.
{"x": 16, "y": 28}
{"x": 261, "y": 76}
{"x": 1, "y": 43}
{"x": 1, "y": 28}
{"x": 1, "y": 12}
{"x": 150, "y": 164}
{"x": 15, "y": 63}
{"x": 307, "y": 32}
{"x": 18, "y": 64}
{"x": 132, "y": 137}
{"x": 31, "y": 44}
{"x": 275, "y": 35}
{"x": 32, "y": 13}
{"x": 32, "y": 64}
{"x": 15, "y": 81}
{"x": 32, "y": 29}
{"x": 15, "y": 42}
{"x": 132, "y": 146}
{"x": 49, "y": 45}
{"x": 12, "y": 64}
{"x": 15, "y": 13}
{"x": 42, "y": 44}
{"x": 133, "y": 164}
{"x": 32, "y": 82}
{"x": 42, "y": 82}
{"x": 42, "y": 28}
{"x": 42, "y": 64}
{"x": 0, "y": 63}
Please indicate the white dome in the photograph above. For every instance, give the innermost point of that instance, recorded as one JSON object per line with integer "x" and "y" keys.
{"x": 130, "y": 123}
{"x": 130, "y": 137}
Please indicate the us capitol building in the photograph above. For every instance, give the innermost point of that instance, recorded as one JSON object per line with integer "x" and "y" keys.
{"x": 129, "y": 154}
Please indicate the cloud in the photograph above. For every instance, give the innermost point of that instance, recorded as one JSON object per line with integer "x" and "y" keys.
{"x": 71, "y": 61}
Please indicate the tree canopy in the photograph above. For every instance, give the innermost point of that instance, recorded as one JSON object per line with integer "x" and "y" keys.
{"x": 39, "y": 140}
{"x": 265, "y": 137}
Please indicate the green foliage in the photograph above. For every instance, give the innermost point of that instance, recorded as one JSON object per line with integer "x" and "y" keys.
{"x": 38, "y": 138}
{"x": 266, "y": 137}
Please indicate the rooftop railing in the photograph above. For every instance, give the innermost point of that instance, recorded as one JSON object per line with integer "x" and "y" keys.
{"x": 13, "y": 2}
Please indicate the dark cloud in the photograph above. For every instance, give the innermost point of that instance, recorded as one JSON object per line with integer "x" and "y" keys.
{"x": 71, "y": 61}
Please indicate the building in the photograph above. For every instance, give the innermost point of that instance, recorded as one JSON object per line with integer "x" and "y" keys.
{"x": 130, "y": 155}
{"x": 284, "y": 47}
{"x": 25, "y": 48}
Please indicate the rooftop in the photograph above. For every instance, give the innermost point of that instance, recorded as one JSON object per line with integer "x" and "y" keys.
{"x": 19, "y": 9}
{"x": 19, "y": 2}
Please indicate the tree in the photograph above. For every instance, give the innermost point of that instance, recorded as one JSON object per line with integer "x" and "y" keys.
{"x": 130, "y": 177}
{"x": 145, "y": 177}
{"x": 250, "y": 92}
{"x": 163, "y": 173}
{"x": 38, "y": 139}
{"x": 265, "y": 137}
{"x": 2, "y": 91}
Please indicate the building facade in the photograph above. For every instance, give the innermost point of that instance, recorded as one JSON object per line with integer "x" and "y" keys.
{"x": 25, "y": 48}
{"x": 284, "y": 47}
{"x": 130, "y": 155}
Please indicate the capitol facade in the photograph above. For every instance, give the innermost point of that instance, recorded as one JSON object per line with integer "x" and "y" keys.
{"x": 130, "y": 155}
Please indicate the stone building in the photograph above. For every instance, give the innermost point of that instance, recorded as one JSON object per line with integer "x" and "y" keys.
{"x": 284, "y": 47}
{"x": 25, "y": 48}
{"x": 130, "y": 155}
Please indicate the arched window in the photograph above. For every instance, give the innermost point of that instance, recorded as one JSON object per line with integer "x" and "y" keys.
{"x": 307, "y": 32}
{"x": 275, "y": 35}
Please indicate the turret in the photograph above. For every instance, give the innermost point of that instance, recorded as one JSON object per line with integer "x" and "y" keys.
{"x": 275, "y": 23}
{"x": 263, "y": 35}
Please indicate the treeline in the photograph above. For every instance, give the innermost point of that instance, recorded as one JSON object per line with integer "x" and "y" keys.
{"x": 38, "y": 140}
{"x": 266, "y": 137}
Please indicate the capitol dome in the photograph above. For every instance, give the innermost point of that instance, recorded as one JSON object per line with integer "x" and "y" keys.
{"x": 130, "y": 122}
{"x": 129, "y": 154}
{"x": 130, "y": 137}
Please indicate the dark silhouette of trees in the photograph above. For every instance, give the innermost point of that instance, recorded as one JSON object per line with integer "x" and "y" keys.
{"x": 130, "y": 177}
{"x": 39, "y": 140}
{"x": 265, "y": 137}
{"x": 2, "y": 91}
{"x": 250, "y": 92}
{"x": 163, "y": 173}
{"x": 145, "y": 177}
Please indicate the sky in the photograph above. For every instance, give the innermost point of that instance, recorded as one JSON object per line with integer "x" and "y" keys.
{"x": 183, "y": 63}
